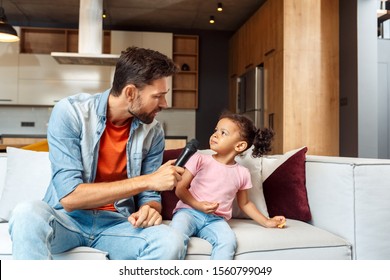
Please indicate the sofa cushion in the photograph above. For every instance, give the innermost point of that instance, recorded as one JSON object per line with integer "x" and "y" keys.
{"x": 27, "y": 177}
{"x": 256, "y": 194}
{"x": 299, "y": 240}
{"x": 3, "y": 172}
{"x": 169, "y": 198}
{"x": 284, "y": 185}
{"x": 5, "y": 240}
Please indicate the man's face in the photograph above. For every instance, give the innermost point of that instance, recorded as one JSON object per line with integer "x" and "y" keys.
{"x": 149, "y": 101}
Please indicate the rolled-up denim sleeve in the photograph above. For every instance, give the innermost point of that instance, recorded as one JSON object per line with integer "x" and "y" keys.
{"x": 64, "y": 146}
{"x": 151, "y": 162}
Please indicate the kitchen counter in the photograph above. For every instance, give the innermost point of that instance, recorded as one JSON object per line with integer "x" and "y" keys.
{"x": 19, "y": 140}
{"x": 175, "y": 142}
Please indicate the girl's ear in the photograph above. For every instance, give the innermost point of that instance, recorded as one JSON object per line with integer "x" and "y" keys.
{"x": 130, "y": 92}
{"x": 241, "y": 146}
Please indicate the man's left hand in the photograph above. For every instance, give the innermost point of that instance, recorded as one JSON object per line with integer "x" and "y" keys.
{"x": 145, "y": 217}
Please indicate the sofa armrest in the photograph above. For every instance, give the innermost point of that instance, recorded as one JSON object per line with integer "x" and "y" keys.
{"x": 349, "y": 197}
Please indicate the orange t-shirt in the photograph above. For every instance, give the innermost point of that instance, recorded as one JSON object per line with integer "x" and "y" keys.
{"x": 112, "y": 161}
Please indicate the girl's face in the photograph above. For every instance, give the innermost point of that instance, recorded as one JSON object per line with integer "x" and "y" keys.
{"x": 226, "y": 137}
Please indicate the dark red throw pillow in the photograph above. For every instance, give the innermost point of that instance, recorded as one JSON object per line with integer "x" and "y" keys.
{"x": 169, "y": 198}
{"x": 285, "y": 188}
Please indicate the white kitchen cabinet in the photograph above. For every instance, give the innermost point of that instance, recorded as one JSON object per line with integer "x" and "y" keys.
{"x": 42, "y": 81}
{"x": 9, "y": 53}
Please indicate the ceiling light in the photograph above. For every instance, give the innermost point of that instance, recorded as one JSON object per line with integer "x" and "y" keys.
{"x": 104, "y": 15}
{"x": 212, "y": 20}
{"x": 7, "y": 32}
{"x": 219, "y": 7}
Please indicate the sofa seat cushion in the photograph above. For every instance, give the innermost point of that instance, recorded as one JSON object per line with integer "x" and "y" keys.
{"x": 298, "y": 240}
{"x": 5, "y": 240}
{"x": 79, "y": 253}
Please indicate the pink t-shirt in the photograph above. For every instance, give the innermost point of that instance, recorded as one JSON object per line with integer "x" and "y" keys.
{"x": 216, "y": 182}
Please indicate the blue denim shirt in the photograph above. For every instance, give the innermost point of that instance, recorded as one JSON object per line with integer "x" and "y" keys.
{"x": 75, "y": 127}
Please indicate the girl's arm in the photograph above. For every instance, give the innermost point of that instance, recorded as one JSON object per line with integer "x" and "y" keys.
{"x": 251, "y": 210}
{"x": 183, "y": 193}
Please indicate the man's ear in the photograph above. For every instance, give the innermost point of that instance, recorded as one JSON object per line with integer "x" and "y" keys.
{"x": 130, "y": 92}
{"x": 241, "y": 146}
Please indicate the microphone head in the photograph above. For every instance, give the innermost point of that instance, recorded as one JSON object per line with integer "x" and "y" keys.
{"x": 187, "y": 152}
{"x": 193, "y": 145}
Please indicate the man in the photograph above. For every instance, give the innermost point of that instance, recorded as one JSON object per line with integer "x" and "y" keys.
{"x": 106, "y": 151}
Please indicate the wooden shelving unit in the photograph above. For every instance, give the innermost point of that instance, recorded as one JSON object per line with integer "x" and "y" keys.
{"x": 46, "y": 40}
{"x": 185, "y": 83}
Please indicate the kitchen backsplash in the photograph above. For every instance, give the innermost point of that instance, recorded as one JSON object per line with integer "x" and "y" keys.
{"x": 33, "y": 120}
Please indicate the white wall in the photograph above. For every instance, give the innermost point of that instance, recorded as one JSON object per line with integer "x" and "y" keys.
{"x": 384, "y": 98}
{"x": 367, "y": 79}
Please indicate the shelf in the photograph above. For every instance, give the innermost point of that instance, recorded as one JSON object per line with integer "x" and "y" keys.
{"x": 185, "y": 83}
{"x": 185, "y": 99}
{"x": 46, "y": 40}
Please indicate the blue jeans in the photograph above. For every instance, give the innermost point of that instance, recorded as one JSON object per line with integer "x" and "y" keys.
{"x": 210, "y": 227}
{"x": 38, "y": 231}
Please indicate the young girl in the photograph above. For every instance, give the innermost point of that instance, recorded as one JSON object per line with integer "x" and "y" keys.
{"x": 211, "y": 182}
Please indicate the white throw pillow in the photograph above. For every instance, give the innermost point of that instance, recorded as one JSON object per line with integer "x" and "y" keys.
{"x": 3, "y": 171}
{"x": 256, "y": 194}
{"x": 27, "y": 178}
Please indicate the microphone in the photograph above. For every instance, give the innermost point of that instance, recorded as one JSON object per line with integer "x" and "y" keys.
{"x": 187, "y": 152}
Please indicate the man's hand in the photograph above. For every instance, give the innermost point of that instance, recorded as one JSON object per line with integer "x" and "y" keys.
{"x": 166, "y": 177}
{"x": 145, "y": 217}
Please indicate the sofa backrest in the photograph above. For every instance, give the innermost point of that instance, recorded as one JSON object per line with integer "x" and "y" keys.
{"x": 3, "y": 171}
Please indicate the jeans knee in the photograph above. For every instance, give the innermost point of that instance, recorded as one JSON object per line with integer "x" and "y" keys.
{"x": 174, "y": 244}
{"x": 28, "y": 214}
{"x": 28, "y": 210}
{"x": 228, "y": 240}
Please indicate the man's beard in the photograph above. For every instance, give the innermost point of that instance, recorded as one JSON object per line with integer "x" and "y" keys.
{"x": 143, "y": 117}
{"x": 136, "y": 111}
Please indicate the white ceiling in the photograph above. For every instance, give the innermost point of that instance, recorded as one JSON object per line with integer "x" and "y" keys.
{"x": 135, "y": 14}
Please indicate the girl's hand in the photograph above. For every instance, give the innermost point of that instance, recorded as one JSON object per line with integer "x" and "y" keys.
{"x": 207, "y": 207}
{"x": 277, "y": 221}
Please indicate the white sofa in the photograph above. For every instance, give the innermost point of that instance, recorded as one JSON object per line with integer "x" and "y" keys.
{"x": 349, "y": 201}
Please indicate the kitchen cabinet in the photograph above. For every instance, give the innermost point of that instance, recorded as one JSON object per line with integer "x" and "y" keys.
{"x": 46, "y": 40}
{"x": 260, "y": 36}
{"x": 9, "y": 73}
{"x": 43, "y": 81}
{"x": 185, "y": 83}
{"x": 271, "y": 22}
{"x": 273, "y": 99}
{"x": 299, "y": 51}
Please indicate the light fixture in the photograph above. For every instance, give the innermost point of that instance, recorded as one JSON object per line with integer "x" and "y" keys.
{"x": 104, "y": 15}
{"x": 212, "y": 20}
{"x": 219, "y": 7}
{"x": 7, "y": 32}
